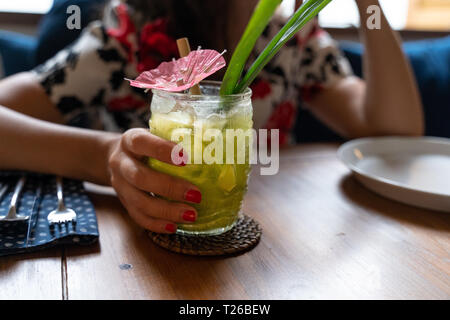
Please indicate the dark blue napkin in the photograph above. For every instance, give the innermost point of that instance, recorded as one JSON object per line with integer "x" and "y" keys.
{"x": 13, "y": 235}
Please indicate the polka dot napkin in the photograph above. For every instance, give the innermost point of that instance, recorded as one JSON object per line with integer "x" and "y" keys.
{"x": 36, "y": 233}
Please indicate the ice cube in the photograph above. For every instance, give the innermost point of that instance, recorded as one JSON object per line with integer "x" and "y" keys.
{"x": 163, "y": 124}
{"x": 215, "y": 122}
{"x": 162, "y": 104}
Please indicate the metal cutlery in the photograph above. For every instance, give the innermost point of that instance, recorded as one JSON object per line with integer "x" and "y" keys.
{"x": 61, "y": 214}
{"x": 12, "y": 213}
{"x": 3, "y": 190}
{"x": 34, "y": 208}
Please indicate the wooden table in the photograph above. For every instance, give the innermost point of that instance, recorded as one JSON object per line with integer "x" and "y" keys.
{"x": 324, "y": 236}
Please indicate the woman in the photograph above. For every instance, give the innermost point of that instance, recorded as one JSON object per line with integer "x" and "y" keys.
{"x": 83, "y": 86}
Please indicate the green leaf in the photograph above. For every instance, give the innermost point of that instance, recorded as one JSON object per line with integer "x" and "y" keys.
{"x": 258, "y": 22}
{"x": 308, "y": 10}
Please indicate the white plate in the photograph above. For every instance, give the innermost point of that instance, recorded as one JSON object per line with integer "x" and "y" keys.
{"x": 415, "y": 171}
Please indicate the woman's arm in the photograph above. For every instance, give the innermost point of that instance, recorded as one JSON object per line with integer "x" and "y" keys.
{"x": 27, "y": 143}
{"x": 42, "y": 145}
{"x": 387, "y": 102}
{"x": 30, "y": 144}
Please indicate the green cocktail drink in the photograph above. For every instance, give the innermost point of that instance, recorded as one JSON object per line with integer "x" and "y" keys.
{"x": 215, "y": 132}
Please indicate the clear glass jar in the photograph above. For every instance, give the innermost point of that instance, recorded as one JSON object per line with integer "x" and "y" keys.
{"x": 201, "y": 124}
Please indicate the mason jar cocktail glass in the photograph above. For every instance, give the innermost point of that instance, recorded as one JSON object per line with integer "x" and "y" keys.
{"x": 213, "y": 130}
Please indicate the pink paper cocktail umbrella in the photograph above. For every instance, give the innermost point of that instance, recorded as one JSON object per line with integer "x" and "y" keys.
{"x": 181, "y": 74}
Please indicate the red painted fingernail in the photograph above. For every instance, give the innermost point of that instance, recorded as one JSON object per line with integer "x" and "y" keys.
{"x": 171, "y": 227}
{"x": 189, "y": 215}
{"x": 193, "y": 196}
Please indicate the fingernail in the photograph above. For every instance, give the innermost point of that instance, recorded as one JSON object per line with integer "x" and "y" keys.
{"x": 171, "y": 227}
{"x": 193, "y": 196}
{"x": 189, "y": 215}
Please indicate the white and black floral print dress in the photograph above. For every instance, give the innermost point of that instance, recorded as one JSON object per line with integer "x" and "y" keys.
{"x": 86, "y": 80}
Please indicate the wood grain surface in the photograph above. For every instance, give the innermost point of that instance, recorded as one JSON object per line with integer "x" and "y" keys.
{"x": 324, "y": 236}
{"x": 32, "y": 275}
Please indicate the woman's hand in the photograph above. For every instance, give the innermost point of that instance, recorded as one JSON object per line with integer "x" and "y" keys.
{"x": 133, "y": 180}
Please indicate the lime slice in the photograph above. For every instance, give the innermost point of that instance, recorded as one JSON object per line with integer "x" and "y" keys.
{"x": 227, "y": 178}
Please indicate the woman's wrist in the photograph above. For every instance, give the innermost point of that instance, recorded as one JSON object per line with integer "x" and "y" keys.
{"x": 105, "y": 143}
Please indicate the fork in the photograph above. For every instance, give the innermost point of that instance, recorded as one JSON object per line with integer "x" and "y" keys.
{"x": 3, "y": 190}
{"x": 12, "y": 213}
{"x": 61, "y": 214}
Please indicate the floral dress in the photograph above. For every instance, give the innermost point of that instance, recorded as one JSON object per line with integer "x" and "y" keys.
{"x": 86, "y": 80}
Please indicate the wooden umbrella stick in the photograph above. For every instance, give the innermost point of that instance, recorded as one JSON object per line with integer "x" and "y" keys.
{"x": 184, "y": 49}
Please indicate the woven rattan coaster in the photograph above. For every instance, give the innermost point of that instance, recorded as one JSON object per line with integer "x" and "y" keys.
{"x": 242, "y": 237}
